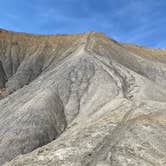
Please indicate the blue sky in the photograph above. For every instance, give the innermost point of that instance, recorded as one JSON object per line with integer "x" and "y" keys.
{"x": 135, "y": 21}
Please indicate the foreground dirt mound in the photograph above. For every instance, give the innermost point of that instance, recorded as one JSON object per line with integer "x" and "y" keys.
{"x": 81, "y": 100}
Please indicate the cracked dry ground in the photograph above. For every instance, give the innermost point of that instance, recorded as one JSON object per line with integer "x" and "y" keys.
{"x": 81, "y": 100}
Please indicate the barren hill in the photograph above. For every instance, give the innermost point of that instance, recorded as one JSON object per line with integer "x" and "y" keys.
{"x": 81, "y": 100}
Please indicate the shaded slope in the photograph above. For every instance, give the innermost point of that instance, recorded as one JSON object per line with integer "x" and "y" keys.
{"x": 103, "y": 102}
{"x": 25, "y": 56}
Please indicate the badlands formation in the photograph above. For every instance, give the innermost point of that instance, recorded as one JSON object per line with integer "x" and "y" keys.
{"x": 81, "y": 100}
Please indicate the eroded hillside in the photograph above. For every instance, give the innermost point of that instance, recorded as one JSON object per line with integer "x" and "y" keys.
{"x": 81, "y": 100}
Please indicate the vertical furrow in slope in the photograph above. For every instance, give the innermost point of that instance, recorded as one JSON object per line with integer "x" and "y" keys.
{"x": 3, "y": 77}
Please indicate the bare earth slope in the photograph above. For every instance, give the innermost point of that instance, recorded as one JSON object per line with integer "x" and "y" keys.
{"x": 81, "y": 100}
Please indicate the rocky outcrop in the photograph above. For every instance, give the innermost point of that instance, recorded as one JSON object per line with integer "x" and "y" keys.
{"x": 81, "y": 100}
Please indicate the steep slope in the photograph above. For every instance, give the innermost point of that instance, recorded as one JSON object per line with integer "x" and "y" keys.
{"x": 96, "y": 102}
